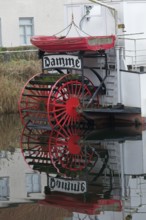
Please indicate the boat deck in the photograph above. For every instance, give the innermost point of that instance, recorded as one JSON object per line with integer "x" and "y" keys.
{"x": 114, "y": 114}
{"x": 113, "y": 110}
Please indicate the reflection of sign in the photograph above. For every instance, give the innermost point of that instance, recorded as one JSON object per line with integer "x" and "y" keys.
{"x": 69, "y": 186}
{"x": 61, "y": 61}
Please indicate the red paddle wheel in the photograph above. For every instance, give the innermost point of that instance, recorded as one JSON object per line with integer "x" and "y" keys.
{"x": 58, "y": 98}
{"x": 64, "y": 103}
{"x": 54, "y": 99}
{"x": 34, "y": 96}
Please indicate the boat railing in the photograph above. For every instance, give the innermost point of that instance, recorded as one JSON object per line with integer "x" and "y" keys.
{"x": 134, "y": 52}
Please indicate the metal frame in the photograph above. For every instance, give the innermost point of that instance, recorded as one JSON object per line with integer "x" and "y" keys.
{"x": 82, "y": 55}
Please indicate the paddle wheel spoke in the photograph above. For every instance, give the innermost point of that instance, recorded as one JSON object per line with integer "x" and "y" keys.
{"x": 64, "y": 119}
{"x": 60, "y": 114}
{"x": 67, "y": 99}
{"x": 34, "y": 96}
{"x": 60, "y": 107}
{"x": 68, "y": 87}
{"x": 79, "y": 90}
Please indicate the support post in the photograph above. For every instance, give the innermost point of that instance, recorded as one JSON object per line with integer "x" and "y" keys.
{"x": 118, "y": 75}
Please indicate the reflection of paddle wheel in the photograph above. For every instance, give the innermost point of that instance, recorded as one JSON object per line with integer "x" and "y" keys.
{"x": 57, "y": 150}
{"x": 34, "y": 146}
{"x": 66, "y": 151}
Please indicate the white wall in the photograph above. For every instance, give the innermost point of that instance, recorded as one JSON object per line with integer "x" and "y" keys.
{"x": 143, "y": 94}
{"x": 99, "y": 22}
{"x": 134, "y": 154}
{"x": 133, "y": 157}
{"x": 133, "y": 90}
{"x": 52, "y": 16}
{"x": 130, "y": 89}
{"x": 48, "y": 18}
{"x": 15, "y": 167}
{"x": 134, "y": 17}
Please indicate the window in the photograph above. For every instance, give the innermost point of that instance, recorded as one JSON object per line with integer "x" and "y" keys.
{"x": 26, "y": 28}
{"x": 4, "y": 188}
{"x": 3, "y": 154}
{"x": 33, "y": 183}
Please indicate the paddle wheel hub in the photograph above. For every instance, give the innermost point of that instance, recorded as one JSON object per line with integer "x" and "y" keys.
{"x": 73, "y": 146}
{"x": 63, "y": 103}
{"x": 67, "y": 154}
{"x": 71, "y": 106}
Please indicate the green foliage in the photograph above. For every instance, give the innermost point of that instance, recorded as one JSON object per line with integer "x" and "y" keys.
{"x": 20, "y": 48}
{"x": 8, "y": 54}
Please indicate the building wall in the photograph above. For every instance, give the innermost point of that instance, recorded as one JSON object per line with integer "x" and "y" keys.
{"x": 52, "y": 16}
{"x": 48, "y": 18}
{"x": 45, "y": 20}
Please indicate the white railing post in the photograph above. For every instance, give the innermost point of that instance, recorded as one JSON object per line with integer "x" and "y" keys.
{"x": 118, "y": 74}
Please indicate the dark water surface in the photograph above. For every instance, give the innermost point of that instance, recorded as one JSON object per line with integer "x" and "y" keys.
{"x": 73, "y": 173}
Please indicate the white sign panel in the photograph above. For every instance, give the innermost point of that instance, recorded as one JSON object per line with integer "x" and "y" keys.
{"x": 61, "y": 61}
{"x": 68, "y": 186}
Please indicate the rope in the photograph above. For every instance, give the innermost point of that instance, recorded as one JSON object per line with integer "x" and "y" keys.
{"x": 62, "y": 30}
{"x": 77, "y": 28}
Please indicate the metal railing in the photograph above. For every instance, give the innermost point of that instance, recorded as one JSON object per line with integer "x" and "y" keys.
{"x": 135, "y": 52}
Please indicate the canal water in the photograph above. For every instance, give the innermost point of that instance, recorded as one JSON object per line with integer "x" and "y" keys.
{"x": 78, "y": 173}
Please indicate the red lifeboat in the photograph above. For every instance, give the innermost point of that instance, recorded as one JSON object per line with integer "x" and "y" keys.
{"x": 53, "y": 44}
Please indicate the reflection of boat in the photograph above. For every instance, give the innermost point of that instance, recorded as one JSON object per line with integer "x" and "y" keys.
{"x": 57, "y": 44}
{"x": 77, "y": 204}
{"x": 57, "y": 150}
{"x": 72, "y": 150}
{"x": 116, "y": 134}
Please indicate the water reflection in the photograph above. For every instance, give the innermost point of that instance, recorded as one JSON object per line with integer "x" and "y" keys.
{"x": 78, "y": 172}
{"x": 10, "y": 130}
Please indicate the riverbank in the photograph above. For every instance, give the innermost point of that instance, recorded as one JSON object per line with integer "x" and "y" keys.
{"x": 13, "y": 76}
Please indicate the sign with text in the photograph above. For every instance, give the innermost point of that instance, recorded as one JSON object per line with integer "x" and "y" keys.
{"x": 68, "y": 186}
{"x": 61, "y": 61}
